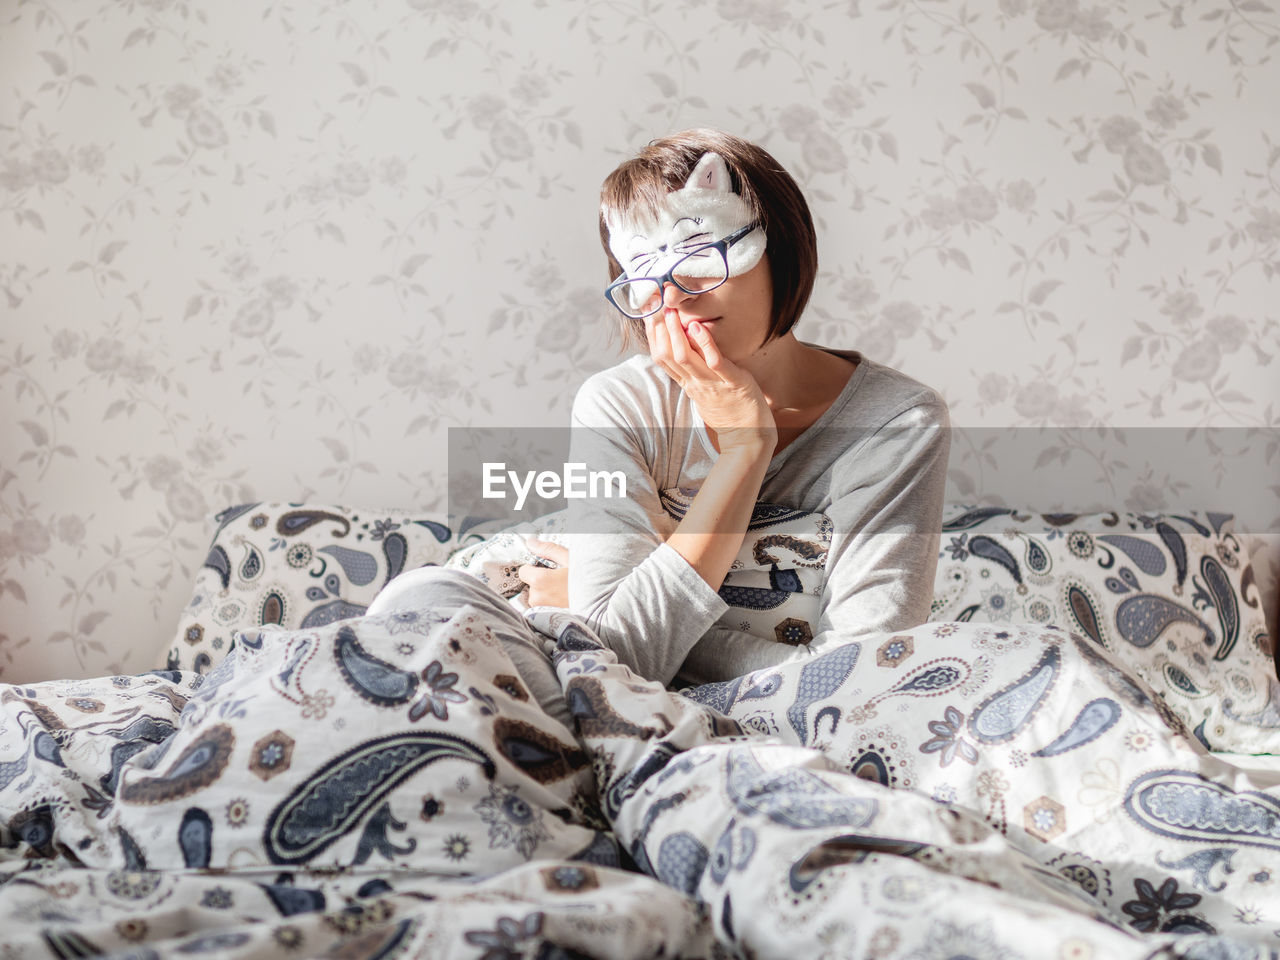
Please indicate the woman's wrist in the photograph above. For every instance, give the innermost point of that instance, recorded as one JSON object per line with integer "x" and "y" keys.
{"x": 747, "y": 462}
{"x": 748, "y": 444}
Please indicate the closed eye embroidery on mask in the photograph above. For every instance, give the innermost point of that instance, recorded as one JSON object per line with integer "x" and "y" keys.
{"x": 642, "y": 263}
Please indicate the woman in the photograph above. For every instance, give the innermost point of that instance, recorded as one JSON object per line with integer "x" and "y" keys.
{"x": 714, "y": 254}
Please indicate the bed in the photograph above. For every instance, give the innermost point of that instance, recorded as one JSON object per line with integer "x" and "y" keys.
{"x": 998, "y": 782}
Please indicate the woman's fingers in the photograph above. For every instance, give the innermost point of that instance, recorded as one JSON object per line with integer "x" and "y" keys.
{"x": 659, "y": 343}
{"x": 554, "y": 552}
{"x": 686, "y": 353}
{"x": 547, "y": 587}
{"x": 690, "y": 357}
{"x": 711, "y": 354}
{"x": 725, "y": 395}
{"x": 679, "y": 345}
{"x": 658, "y": 332}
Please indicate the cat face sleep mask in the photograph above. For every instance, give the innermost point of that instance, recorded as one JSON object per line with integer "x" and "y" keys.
{"x": 703, "y": 211}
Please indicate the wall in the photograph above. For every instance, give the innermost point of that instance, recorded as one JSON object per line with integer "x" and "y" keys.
{"x": 273, "y": 251}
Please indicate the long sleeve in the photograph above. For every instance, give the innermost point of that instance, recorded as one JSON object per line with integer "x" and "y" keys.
{"x": 886, "y": 509}
{"x": 641, "y": 596}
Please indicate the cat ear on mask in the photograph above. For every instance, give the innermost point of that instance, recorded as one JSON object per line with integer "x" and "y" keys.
{"x": 710, "y": 173}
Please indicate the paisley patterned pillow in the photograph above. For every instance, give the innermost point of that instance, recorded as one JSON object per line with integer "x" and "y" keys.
{"x": 1172, "y": 595}
{"x": 307, "y": 565}
{"x": 297, "y": 565}
{"x": 402, "y": 742}
{"x": 774, "y": 588}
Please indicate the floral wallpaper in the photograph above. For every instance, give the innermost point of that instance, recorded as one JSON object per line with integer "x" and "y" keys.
{"x": 273, "y": 251}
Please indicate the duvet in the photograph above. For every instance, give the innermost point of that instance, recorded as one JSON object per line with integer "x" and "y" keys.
{"x": 386, "y": 787}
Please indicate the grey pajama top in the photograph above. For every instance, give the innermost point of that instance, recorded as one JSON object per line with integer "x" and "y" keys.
{"x": 874, "y": 463}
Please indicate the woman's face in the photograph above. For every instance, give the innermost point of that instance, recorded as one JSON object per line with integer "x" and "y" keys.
{"x": 737, "y": 313}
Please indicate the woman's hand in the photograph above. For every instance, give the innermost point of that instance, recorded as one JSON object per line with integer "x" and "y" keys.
{"x": 548, "y": 583}
{"x": 726, "y": 396}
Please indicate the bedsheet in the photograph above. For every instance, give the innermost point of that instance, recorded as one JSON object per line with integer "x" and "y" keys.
{"x": 1000, "y": 791}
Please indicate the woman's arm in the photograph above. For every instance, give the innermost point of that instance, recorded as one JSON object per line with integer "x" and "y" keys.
{"x": 644, "y": 599}
{"x": 710, "y": 534}
{"x": 645, "y": 584}
{"x": 708, "y": 537}
{"x": 731, "y": 403}
{"x": 886, "y": 511}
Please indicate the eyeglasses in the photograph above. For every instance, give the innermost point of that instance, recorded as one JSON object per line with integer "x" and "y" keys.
{"x": 698, "y": 271}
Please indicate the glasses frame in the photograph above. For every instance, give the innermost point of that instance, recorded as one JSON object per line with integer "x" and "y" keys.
{"x": 722, "y": 245}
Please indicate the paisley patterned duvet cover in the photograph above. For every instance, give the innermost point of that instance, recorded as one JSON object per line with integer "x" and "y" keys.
{"x": 385, "y": 787}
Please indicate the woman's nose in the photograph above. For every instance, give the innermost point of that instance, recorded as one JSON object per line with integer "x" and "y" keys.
{"x": 673, "y": 295}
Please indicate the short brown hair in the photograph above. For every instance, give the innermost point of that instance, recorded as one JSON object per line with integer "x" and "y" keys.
{"x": 771, "y": 193}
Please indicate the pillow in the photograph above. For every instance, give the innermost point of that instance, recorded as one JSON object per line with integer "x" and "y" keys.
{"x": 297, "y": 565}
{"x": 774, "y": 587}
{"x": 394, "y": 741}
{"x": 1172, "y": 595}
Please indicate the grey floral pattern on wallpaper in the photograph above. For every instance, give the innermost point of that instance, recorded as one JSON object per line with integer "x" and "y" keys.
{"x": 274, "y": 251}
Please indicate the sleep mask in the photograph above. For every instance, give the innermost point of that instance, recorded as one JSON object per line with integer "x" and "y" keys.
{"x": 705, "y": 210}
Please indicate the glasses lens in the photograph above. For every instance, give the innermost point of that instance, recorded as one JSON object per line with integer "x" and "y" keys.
{"x": 638, "y": 298}
{"x": 701, "y": 270}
